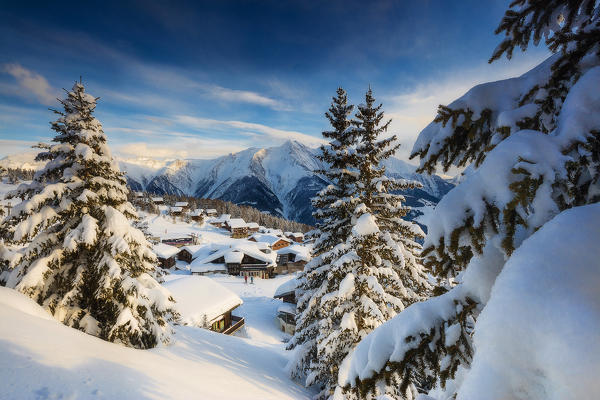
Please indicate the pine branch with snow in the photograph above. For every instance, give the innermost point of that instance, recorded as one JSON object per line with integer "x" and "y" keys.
{"x": 466, "y": 130}
{"x": 77, "y": 253}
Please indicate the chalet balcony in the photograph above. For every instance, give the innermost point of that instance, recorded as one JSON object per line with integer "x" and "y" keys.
{"x": 236, "y": 324}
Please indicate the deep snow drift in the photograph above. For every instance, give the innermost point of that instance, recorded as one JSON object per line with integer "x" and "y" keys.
{"x": 41, "y": 358}
{"x": 538, "y": 337}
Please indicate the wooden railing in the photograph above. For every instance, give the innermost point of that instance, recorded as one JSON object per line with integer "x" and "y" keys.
{"x": 236, "y": 323}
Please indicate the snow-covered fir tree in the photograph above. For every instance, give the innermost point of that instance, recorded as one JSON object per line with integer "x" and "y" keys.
{"x": 362, "y": 274}
{"x": 74, "y": 250}
{"x": 399, "y": 249}
{"x": 381, "y": 267}
{"x": 531, "y": 148}
{"x": 333, "y": 209}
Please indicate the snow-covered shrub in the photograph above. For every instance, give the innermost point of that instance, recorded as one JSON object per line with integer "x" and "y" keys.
{"x": 70, "y": 245}
{"x": 532, "y": 148}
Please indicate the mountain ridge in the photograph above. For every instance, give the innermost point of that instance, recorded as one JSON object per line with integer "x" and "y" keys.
{"x": 280, "y": 180}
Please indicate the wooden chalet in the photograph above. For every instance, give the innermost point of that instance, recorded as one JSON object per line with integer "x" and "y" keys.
{"x": 165, "y": 254}
{"x": 159, "y": 201}
{"x": 274, "y": 242}
{"x": 292, "y": 258}
{"x": 242, "y": 260}
{"x": 211, "y": 212}
{"x": 183, "y": 204}
{"x": 220, "y": 222}
{"x": 286, "y": 312}
{"x": 190, "y": 253}
{"x": 237, "y": 227}
{"x": 203, "y": 302}
{"x": 197, "y": 215}
{"x": 252, "y": 227}
{"x": 180, "y": 241}
{"x": 176, "y": 211}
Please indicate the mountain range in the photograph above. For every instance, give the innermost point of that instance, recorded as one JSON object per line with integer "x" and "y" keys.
{"x": 280, "y": 180}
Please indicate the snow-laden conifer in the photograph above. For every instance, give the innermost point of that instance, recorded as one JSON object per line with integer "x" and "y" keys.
{"x": 381, "y": 267}
{"x": 397, "y": 241}
{"x": 334, "y": 207}
{"x": 531, "y": 147}
{"x": 77, "y": 253}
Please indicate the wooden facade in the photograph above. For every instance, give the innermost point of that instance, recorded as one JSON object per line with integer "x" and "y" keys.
{"x": 197, "y": 217}
{"x": 185, "y": 255}
{"x": 239, "y": 232}
{"x": 166, "y": 262}
{"x": 280, "y": 244}
{"x": 250, "y": 266}
{"x": 227, "y": 323}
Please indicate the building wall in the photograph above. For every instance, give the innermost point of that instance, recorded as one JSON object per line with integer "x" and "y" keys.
{"x": 185, "y": 255}
{"x": 166, "y": 262}
{"x": 280, "y": 244}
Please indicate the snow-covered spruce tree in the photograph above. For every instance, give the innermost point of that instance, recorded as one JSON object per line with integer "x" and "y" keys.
{"x": 334, "y": 207}
{"x": 383, "y": 273}
{"x": 398, "y": 249}
{"x": 532, "y": 148}
{"x": 80, "y": 258}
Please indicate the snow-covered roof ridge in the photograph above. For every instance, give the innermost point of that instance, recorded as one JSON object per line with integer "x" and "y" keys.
{"x": 268, "y": 238}
{"x": 248, "y": 248}
{"x": 286, "y": 287}
{"x": 163, "y": 250}
{"x": 200, "y": 299}
{"x": 236, "y": 223}
{"x": 302, "y": 252}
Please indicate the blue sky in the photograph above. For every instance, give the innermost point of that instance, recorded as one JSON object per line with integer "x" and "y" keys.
{"x": 201, "y": 79}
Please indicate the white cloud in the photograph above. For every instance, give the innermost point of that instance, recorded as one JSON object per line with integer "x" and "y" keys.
{"x": 264, "y": 132}
{"x": 244, "y": 96}
{"x": 10, "y": 146}
{"x": 413, "y": 110}
{"x": 181, "y": 148}
{"x": 34, "y": 83}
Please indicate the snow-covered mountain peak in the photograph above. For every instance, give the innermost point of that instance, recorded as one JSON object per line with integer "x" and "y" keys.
{"x": 280, "y": 179}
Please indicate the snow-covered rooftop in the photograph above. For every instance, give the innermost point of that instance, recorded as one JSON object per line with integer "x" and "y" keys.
{"x": 164, "y": 250}
{"x": 234, "y": 257}
{"x": 200, "y": 299}
{"x": 242, "y": 248}
{"x": 267, "y": 238}
{"x": 302, "y": 252}
{"x": 236, "y": 223}
{"x": 196, "y": 249}
{"x": 176, "y": 209}
{"x": 286, "y": 287}
{"x": 181, "y": 204}
{"x": 252, "y": 225}
{"x": 288, "y": 308}
{"x": 156, "y": 199}
{"x": 208, "y": 267}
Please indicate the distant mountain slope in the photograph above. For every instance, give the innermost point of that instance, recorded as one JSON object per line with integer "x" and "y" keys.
{"x": 280, "y": 180}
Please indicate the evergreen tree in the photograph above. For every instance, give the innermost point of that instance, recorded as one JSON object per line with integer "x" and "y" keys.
{"x": 333, "y": 209}
{"x": 520, "y": 179}
{"x": 398, "y": 237}
{"x": 380, "y": 270}
{"x": 81, "y": 259}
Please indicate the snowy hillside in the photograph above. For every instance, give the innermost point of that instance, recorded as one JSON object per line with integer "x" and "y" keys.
{"x": 67, "y": 363}
{"x": 280, "y": 180}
